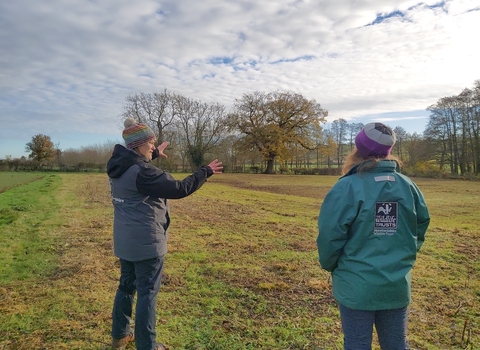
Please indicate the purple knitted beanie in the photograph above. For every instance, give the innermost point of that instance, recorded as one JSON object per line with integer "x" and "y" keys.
{"x": 375, "y": 140}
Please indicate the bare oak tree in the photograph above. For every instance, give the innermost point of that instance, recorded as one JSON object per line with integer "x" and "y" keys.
{"x": 154, "y": 109}
{"x": 201, "y": 126}
{"x": 339, "y": 131}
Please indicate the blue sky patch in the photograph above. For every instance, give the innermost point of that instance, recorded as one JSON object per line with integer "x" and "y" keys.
{"x": 220, "y": 60}
{"x": 296, "y": 59}
{"x": 385, "y": 16}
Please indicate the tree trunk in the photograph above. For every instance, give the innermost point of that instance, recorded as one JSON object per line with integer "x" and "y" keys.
{"x": 270, "y": 169}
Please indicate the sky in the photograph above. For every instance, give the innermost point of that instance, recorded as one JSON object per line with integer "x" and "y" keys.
{"x": 66, "y": 67}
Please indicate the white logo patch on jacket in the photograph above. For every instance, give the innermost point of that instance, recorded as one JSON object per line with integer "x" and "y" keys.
{"x": 386, "y": 215}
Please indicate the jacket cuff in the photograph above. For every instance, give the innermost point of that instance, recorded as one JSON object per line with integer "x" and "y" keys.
{"x": 208, "y": 170}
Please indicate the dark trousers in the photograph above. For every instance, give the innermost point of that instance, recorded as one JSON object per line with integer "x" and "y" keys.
{"x": 144, "y": 277}
{"x": 391, "y": 327}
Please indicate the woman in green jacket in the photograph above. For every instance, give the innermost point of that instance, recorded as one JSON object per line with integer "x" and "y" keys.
{"x": 371, "y": 225}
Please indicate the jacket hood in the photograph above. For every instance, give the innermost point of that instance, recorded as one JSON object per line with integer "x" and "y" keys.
{"x": 383, "y": 165}
{"x": 122, "y": 159}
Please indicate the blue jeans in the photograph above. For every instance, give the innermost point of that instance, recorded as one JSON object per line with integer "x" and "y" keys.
{"x": 144, "y": 277}
{"x": 391, "y": 326}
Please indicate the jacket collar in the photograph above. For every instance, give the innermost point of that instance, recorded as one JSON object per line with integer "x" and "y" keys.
{"x": 385, "y": 165}
{"x": 122, "y": 159}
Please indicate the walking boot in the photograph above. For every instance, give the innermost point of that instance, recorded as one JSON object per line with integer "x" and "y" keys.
{"x": 121, "y": 344}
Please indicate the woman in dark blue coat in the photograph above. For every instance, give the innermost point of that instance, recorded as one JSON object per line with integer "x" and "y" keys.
{"x": 140, "y": 193}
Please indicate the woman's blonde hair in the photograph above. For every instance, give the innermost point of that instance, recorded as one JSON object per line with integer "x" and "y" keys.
{"x": 354, "y": 158}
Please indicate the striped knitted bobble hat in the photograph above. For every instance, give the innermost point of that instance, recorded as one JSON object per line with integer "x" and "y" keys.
{"x": 136, "y": 134}
{"x": 375, "y": 140}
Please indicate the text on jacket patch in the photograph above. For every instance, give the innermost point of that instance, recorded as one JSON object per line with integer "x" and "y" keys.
{"x": 386, "y": 215}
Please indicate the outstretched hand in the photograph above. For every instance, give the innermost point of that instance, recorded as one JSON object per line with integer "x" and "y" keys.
{"x": 161, "y": 147}
{"x": 216, "y": 166}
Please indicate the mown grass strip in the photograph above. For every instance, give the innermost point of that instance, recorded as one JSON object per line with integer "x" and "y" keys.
{"x": 10, "y": 180}
{"x": 26, "y": 222}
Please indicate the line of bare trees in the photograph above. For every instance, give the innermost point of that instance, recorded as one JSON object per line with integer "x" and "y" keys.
{"x": 454, "y": 131}
{"x": 260, "y": 126}
{"x": 193, "y": 128}
{"x": 280, "y": 131}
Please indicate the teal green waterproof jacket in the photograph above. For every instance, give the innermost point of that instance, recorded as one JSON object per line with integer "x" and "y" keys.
{"x": 371, "y": 226}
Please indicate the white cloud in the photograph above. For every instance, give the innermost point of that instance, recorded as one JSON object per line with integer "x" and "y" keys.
{"x": 68, "y": 65}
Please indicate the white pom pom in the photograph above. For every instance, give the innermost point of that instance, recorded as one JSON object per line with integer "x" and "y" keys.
{"x": 129, "y": 122}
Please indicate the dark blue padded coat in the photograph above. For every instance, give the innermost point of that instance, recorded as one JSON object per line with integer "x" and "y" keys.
{"x": 140, "y": 193}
